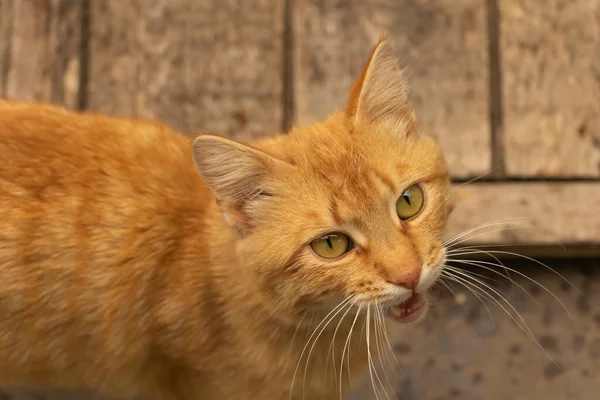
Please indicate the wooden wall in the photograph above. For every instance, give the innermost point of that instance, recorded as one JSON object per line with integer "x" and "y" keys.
{"x": 510, "y": 88}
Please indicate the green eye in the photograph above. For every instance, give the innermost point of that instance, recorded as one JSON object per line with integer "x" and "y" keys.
{"x": 410, "y": 202}
{"x": 332, "y": 245}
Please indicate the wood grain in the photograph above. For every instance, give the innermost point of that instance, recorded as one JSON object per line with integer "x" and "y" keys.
{"x": 551, "y": 65}
{"x": 442, "y": 44}
{"x": 200, "y": 66}
{"x": 40, "y": 50}
{"x": 534, "y": 213}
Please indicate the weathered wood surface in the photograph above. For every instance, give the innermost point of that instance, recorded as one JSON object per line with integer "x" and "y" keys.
{"x": 211, "y": 66}
{"x": 527, "y": 212}
{"x": 29, "y": 394}
{"x": 551, "y": 66}
{"x": 442, "y": 44}
{"x": 39, "y": 50}
{"x": 200, "y": 66}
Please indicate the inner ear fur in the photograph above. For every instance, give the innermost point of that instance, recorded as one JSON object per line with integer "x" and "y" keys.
{"x": 236, "y": 174}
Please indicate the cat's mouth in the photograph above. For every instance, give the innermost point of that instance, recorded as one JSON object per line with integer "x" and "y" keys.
{"x": 410, "y": 310}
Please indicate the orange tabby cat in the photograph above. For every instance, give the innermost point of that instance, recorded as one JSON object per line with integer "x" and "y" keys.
{"x": 141, "y": 263}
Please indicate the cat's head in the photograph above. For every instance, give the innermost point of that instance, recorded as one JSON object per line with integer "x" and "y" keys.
{"x": 351, "y": 207}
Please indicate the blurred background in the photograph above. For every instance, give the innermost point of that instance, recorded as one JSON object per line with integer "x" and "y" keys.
{"x": 509, "y": 88}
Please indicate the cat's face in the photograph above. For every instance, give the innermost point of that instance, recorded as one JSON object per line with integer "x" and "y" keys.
{"x": 360, "y": 212}
{"x": 351, "y": 208}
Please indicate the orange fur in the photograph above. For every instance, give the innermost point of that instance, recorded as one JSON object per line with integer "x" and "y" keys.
{"x": 141, "y": 263}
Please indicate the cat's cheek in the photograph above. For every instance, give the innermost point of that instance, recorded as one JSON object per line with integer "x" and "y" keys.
{"x": 325, "y": 283}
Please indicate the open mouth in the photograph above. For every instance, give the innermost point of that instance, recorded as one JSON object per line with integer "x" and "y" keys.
{"x": 409, "y": 310}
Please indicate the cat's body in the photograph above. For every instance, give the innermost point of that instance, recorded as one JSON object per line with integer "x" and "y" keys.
{"x": 113, "y": 269}
{"x": 141, "y": 263}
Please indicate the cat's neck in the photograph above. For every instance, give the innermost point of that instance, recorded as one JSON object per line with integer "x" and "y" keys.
{"x": 234, "y": 281}
{"x": 209, "y": 282}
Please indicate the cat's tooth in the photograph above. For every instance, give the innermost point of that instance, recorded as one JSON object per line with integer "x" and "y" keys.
{"x": 397, "y": 311}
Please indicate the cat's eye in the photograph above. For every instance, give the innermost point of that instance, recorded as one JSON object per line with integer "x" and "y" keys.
{"x": 333, "y": 245}
{"x": 410, "y": 202}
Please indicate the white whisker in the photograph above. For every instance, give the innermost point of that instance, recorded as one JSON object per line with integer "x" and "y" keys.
{"x": 452, "y": 240}
{"x": 532, "y": 260}
{"x": 474, "y": 179}
{"x": 473, "y": 263}
{"x": 455, "y": 251}
{"x": 475, "y": 294}
{"x": 442, "y": 282}
{"x": 325, "y": 320}
{"x": 346, "y": 345}
{"x": 332, "y": 344}
{"x": 372, "y": 369}
{"x": 379, "y": 343}
{"x": 349, "y": 305}
{"x": 456, "y": 244}
{"x": 386, "y": 337}
{"x": 463, "y": 277}
{"x": 484, "y": 266}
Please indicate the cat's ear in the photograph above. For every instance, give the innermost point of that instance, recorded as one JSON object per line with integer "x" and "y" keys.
{"x": 380, "y": 95}
{"x": 237, "y": 175}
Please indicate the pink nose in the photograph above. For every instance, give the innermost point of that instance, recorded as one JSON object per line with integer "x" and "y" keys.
{"x": 407, "y": 276}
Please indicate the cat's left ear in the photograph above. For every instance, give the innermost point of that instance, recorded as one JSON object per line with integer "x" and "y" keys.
{"x": 380, "y": 95}
{"x": 238, "y": 176}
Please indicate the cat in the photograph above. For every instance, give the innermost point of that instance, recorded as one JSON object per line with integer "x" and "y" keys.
{"x": 141, "y": 263}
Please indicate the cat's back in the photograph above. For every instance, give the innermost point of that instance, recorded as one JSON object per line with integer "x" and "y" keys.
{"x": 91, "y": 207}
{"x": 89, "y": 165}
{"x": 50, "y": 138}
{"x": 70, "y": 176}
{"x": 46, "y": 150}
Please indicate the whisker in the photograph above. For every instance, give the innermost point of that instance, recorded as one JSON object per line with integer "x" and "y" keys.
{"x": 456, "y": 244}
{"x": 332, "y": 345}
{"x": 379, "y": 343}
{"x": 464, "y": 276}
{"x": 346, "y": 345}
{"x": 372, "y": 364}
{"x": 474, "y": 179}
{"x": 487, "y": 309}
{"x": 471, "y": 272}
{"x": 450, "y": 252}
{"x": 317, "y": 338}
{"x": 362, "y": 332}
{"x": 478, "y": 291}
{"x": 473, "y": 263}
{"x": 524, "y": 326}
{"x": 369, "y": 352}
{"x": 479, "y": 227}
{"x": 386, "y": 336}
{"x": 334, "y": 311}
{"x": 442, "y": 282}
{"x": 478, "y": 264}
{"x": 532, "y": 260}
{"x": 475, "y": 246}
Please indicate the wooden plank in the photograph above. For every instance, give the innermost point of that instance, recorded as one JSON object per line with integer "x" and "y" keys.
{"x": 39, "y": 50}
{"x": 442, "y": 44}
{"x": 5, "y": 29}
{"x": 551, "y": 66}
{"x": 211, "y": 66}
{"x": 529, "y": 213}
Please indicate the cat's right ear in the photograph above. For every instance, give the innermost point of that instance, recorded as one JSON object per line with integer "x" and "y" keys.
{"x": 237, "y": 175}
{"x": 380, "y": 95}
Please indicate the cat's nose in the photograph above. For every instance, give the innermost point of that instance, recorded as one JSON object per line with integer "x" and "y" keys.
{"x": 406, "y": 276}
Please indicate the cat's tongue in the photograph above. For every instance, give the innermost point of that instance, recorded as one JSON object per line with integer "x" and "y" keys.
{"x": 409, "y": 310}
